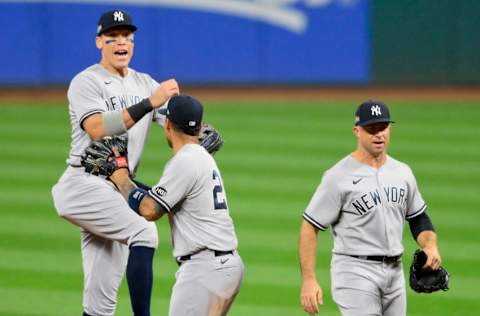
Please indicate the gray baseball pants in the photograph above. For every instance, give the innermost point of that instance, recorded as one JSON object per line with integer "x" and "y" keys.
{"x": 365, "y": 287}
{"x": 108, "y": 227}
{"x": 206, "y": 285}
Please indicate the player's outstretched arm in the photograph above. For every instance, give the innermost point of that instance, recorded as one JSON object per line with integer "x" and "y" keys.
{"x": 121, "y": 179}
{"x": 137, "y": 198}
{"x": 118, "y": 122}
{"x": 311, "y": 293}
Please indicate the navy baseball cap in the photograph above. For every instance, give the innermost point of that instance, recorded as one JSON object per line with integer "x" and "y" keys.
{"x": 185, "y": 112}
{"x": 115, "y": 18}
{"x": 371, "y": 112}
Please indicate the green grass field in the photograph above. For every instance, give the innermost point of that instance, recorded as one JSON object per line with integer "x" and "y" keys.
{"x": 272, "y": 161}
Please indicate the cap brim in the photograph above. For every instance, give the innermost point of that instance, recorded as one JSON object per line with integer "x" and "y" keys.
{"x": 163, "y": 111}
{"x": 373, "y": 121}
{"x": 129, "y": 26}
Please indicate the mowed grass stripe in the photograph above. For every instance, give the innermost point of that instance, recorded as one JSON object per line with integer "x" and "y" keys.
{"x": 48, "y": 151}
{"x": 62, "y": 302}
{"x": 254, "y": 240}
{"x": 70, "y": 262}
{"x": 462, "y": 230}
{"x": 32, "y": 215}
{"x": 291, "y": 182}
{"x": 26, "y": 169}
{"x": 461, "y": 177}
{"x": 283, "y": 278}
{"x": 58, "y": 134}
{"x": 35, "y": 302}
{"x": 164, "y": 268}
{"x": 440, "y": 192}
{"x": 294, "y": 310}
{"x": 253, "y": 246}
{"x": 60, "y": 281}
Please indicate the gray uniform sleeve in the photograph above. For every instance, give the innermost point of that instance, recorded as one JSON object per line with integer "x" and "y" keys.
{"x": 325, "y": 205}
{"x": 415, "y": 203}
{"x": 177, "y": 180}
{"x": 85, "y": 97}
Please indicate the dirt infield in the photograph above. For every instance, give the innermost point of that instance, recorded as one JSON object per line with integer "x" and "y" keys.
{"x": 356, "y": 94}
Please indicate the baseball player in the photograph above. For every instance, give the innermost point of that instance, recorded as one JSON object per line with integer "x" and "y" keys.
{"x": 109, "y": 98}
{"x": 366, "y": 197}
{"x": 192, "y": 194}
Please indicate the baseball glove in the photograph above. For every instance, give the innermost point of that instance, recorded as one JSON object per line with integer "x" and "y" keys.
{"x": 422, "y": 281}
{"x": 210, "y": 139}
{"x": 100, "y": 158}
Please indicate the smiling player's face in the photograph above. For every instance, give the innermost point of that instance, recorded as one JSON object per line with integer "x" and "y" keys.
{"x": 117, "y": 49}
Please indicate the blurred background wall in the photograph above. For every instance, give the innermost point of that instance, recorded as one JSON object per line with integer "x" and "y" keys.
{"x": 425, "y": 42}
{"x": 242, "y": 42}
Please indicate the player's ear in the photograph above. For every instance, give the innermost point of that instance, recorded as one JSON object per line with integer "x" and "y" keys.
{"x": 356, "y": 130}
{"x": 98, "y": 42}
{"x": 167, "y": 125}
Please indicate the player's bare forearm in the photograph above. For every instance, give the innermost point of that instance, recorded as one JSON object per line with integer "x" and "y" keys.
{"x": 150, "y": 209}
{"x": 121, "y": 178}
{"x": 308, "y": 250}
{"x": 311, "y": 293}
{"x": 427, "y": 240}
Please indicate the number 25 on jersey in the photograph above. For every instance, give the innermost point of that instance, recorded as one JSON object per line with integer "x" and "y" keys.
{"x": 219, "y": 201}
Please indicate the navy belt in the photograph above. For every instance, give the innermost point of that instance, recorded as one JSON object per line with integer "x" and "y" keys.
{"x": 217, "y": 253}
{"x": 385, "y": 259}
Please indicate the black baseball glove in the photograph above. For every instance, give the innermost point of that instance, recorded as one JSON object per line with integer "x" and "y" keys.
{"x": 210, "y": 139}
{"x": 422, "y": 281}
{"x": 100, "y": 158}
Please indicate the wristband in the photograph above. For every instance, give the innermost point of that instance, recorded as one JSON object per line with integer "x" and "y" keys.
{"x": 135, "y": 198}
{"x": 137, "y": 111}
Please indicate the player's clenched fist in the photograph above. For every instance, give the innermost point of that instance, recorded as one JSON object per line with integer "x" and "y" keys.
{"x": 164, "y": 92}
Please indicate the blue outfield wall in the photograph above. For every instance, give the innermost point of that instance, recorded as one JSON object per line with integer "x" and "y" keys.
{"x": 195, "y": 41}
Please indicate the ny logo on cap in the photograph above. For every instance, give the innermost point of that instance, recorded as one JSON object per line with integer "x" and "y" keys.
{"x": 118, "y": 16}
{"x": 376, "y": 110}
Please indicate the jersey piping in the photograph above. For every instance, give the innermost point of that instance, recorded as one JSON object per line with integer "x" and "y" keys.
{"x": 314, "y": 222}
{"x": 418, "y": 212}
{"x": 160, "y": 201}
{"x": 88, "y": 114}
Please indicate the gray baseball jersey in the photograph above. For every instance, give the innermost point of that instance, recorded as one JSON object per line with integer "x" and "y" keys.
{"x": 366, "y": 207}
{"x": 191, "y": 190}
{"x": 108, "y": 225}
{"x": 95, "y": 90}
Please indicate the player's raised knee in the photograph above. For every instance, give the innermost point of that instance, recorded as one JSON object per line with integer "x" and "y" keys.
{"x": 146, "y": 236}
{"x": 59, "y": 201}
